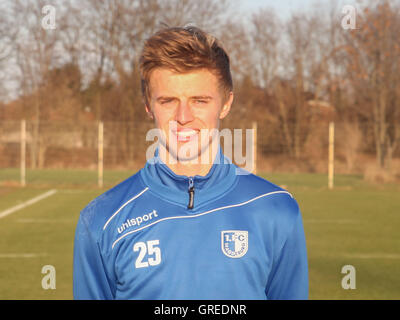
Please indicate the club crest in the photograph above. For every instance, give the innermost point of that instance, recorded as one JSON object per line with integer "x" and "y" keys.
{"x": 234, "y": 243}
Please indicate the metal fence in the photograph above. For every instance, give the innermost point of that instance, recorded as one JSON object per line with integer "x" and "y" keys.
{"x": 28, "y": 145}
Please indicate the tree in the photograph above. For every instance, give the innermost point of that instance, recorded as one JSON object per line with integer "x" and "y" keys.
{"x": 373, "y": 67}
{"x": 293, "y": 88}
{"x": 35, "y": 54}
{"x": 8, "y": 33}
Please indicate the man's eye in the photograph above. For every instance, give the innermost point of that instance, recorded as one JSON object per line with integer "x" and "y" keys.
{"x": 200, "y": 101}
{"x": 165, "y": 101}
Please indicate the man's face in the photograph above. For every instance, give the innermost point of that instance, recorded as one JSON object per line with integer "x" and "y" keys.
{"x": 183, "y": 105}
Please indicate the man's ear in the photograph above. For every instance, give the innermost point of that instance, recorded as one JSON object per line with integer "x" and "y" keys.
{"x": 227, "y": 106}
{"x": 149, "y": 112}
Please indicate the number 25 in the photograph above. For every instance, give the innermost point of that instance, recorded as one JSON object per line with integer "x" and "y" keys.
{"x": 150, "y": 248}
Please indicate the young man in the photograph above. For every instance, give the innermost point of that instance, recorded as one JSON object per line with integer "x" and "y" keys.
{"x": 190, "y": 225}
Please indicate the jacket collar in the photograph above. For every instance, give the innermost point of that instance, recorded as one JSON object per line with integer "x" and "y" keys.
{"x": 173, "y": 187}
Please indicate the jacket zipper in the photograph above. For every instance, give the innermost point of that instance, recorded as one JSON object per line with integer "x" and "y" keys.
{"x": 191, "y": 193}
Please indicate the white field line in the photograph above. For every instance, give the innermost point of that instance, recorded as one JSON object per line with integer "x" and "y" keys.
{"x": 333, "y": 221}
{"x": 70, "y": 191}
{"x": 27, "y": 203}
{"x": 21, "y": 255}
{"x": 45, "y": 221}
{"x": 372, "y": 255}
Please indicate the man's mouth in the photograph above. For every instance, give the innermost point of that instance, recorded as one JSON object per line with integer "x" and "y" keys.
{"x": 186, "y": 134}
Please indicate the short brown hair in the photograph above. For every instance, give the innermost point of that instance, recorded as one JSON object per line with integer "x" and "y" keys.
{"x": 184, "y": 49}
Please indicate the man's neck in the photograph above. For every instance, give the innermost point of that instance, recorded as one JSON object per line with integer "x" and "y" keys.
{"x": 197, "y": 166}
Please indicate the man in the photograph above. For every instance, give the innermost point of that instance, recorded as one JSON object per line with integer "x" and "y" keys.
{"x": 190, "y": 225}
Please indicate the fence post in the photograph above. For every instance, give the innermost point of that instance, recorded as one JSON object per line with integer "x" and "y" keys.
{"x": 23, "y": 153}
{"x": 331, "y": 160}
{"x": 100, "y": 155}
{"x": 254, "y": 147}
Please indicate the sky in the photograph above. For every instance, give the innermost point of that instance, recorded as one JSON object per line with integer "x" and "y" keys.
{"x": 284, "y": 8}
{"x": 281, "y": 6}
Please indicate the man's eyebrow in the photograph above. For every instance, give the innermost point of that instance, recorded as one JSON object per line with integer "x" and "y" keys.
{"x": 165, "y": 98}
{"x": 203, "y": 97}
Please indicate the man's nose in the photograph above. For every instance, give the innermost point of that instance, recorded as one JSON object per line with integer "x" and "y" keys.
{"x": 184, "y": 113}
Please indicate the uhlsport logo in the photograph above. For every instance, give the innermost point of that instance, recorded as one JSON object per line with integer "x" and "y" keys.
{"x": 234, "y": 243}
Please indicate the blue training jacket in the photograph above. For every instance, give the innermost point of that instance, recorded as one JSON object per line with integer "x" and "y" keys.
{"x": 159, "y": 235}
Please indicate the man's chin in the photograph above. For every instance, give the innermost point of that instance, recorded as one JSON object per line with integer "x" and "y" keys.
{"x": 187, "y": 153}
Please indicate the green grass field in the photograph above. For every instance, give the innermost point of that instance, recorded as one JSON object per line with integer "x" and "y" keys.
{"x": 355, "y": 224}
